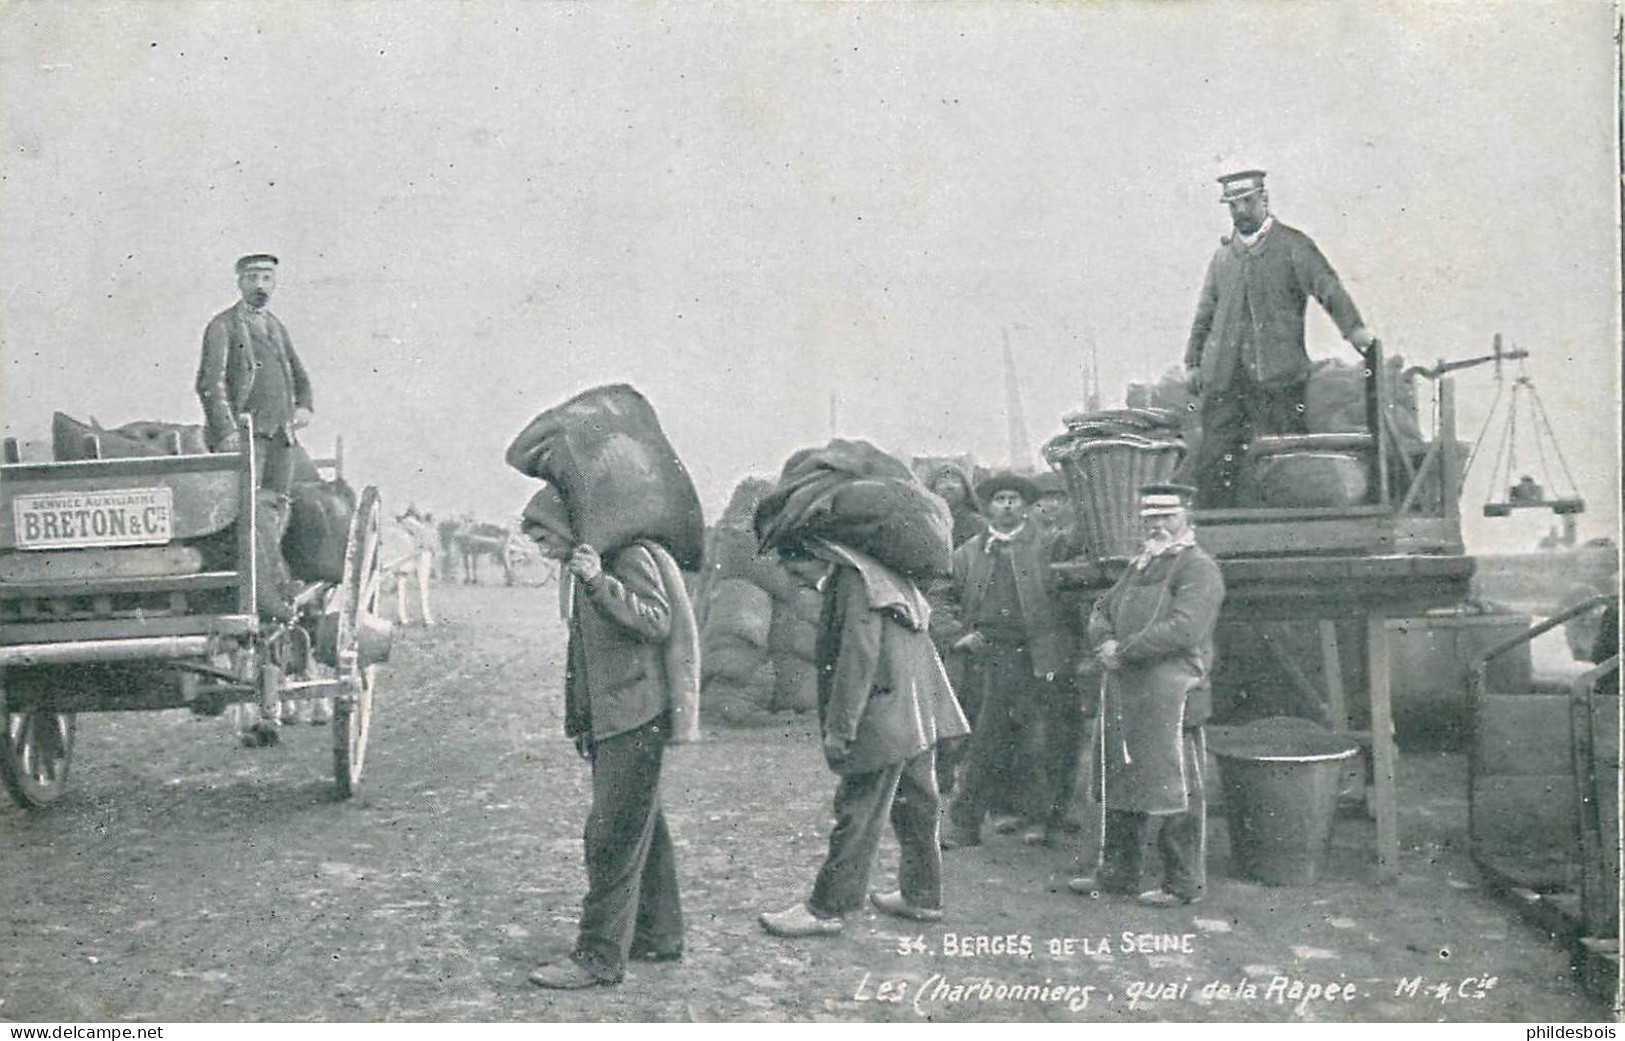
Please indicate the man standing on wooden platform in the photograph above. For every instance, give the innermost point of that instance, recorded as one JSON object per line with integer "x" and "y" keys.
{"x": 1246, "y": 356}
{"x": 1153, "y": 634}
{"x": 248, "y": 365}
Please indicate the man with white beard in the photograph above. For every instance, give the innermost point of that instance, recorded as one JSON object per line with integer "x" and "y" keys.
{"x": 1153, "y": 635}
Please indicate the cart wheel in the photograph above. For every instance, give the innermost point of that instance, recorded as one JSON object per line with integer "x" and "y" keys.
{"x": 352, "y": 710}
{"x": 38, "y": 750}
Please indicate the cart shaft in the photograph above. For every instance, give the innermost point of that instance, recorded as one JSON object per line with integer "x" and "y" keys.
{"x": 90, "y": 652}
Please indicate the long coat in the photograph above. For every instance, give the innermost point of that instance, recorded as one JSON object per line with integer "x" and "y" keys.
{"x": 880, "y": 682}
{"x": 1162, "y": 617}
{"x": 1050, "y": 639}
{"x": 226, "y": 369}
{"x": 1252, "y": 309}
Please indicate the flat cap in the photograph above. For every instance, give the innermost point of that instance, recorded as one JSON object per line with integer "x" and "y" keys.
{"x": 1239, "y": 185}
{"x": 1162, "y": 499}
{"x": 255, "y": 260}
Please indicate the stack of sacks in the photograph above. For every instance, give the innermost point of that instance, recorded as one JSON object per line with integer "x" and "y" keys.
{"x": 735, "y": 611}
{"x": 70, "y": 439}
{"x": 1318, "y": 470}
{"x": 730, "y": 546}
{"x": 1334, "y": 402}
{"x": 737, "y": 674}
{"x": 318, "y": 527}
{"x": 757, "y": 626}
{"x": 790, "y": 643}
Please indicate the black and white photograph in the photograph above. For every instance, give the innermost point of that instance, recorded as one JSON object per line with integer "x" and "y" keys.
{"x": 795, "y": 511}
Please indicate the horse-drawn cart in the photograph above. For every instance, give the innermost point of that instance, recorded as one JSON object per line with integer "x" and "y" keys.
{"x": 132, "y": 585}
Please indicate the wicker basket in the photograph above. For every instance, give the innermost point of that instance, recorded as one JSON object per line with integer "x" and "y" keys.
{"x": 1103, "y": 478}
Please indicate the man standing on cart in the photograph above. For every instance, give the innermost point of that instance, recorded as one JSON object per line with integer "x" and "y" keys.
{"x": 249, "y": 366}
{"x": 1246, "y": 358}
{"x": 1153, "y": 635}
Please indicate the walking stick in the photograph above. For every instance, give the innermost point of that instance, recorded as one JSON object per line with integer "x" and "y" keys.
{"x": 1100, "y": 778}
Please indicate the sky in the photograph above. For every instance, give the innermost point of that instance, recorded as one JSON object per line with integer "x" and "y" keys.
{"x": 746, "y": 209}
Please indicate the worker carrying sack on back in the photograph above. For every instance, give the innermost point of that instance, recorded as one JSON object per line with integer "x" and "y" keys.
{"x": 615, "y": 484}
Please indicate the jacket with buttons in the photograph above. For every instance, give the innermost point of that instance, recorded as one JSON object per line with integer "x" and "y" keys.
{"x": 1252, "y": 309}
{"x": 225, "y": 375}
{"x": 1048, "y": 622}
{"x": 616, "y": 677}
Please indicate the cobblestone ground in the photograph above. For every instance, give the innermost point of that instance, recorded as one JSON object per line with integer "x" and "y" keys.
{"x": 186, "y": 879}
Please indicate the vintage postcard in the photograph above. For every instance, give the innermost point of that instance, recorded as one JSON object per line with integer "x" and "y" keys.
{"x": 810, "y": 512}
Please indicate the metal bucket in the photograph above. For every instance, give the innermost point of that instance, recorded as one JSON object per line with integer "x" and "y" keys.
{"x": 1281, "y": 778}
{"x": 1103, "y": 479}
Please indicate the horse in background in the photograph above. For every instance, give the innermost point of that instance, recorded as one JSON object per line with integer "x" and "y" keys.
{"x": 407, "y": 554}
{"x": 466, "y": 541}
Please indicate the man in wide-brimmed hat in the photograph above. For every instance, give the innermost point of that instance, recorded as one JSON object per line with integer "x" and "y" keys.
{"x": 1066, "y": 727}
{"x": 1246, "y": 356}
{"x": 950, "y": 482}
{"x": 1053, "y": 511}
{"x": 1017, "y": 647}
{"x": 1153, "y": 635}
{"x": 632, "y": 649}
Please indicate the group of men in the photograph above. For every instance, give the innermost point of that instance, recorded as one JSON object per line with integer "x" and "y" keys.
{"x": 1032, "y": 673}
{"x": 1007, "y": 713}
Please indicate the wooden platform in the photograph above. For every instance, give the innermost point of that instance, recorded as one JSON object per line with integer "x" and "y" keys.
{"x": 1375, "y": 530}
{"x": 1377, "y": 564}
{"x": 1331, "y": 586}
{"x": 1383, "y": 590}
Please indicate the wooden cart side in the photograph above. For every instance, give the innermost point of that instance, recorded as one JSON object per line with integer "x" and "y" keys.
{"x": 59, "y": 597}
